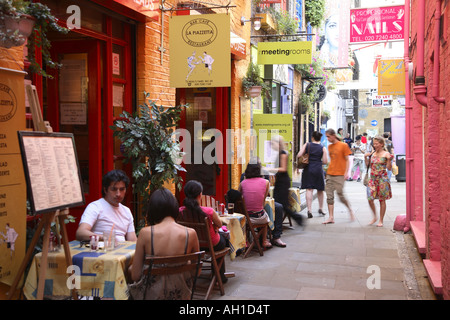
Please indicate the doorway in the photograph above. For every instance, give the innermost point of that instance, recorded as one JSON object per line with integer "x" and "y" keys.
{"x": 89, "y": 91}
{"x": 206, "y": 121}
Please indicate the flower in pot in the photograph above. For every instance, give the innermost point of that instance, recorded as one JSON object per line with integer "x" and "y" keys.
{"x": 253, "y": 84}
{"x": 15, "y": 15}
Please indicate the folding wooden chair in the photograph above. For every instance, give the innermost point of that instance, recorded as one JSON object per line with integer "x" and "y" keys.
{"x": 254, "y": 231}
{"x": 216, "y": 258}
{"x": 163, "y": 266}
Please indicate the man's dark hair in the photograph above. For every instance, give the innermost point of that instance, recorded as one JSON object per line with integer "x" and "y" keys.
{"x": 114, "y": 176}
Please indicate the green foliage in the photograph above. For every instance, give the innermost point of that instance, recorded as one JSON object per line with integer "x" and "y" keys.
{"x": 253, "y": 78}
{"x": 321, "y": 76}
{"x": 44, "y": 21}
{"x": 285, "y": 23}
{"x": 150, "y": 145}
{"x": 314, "y": 12}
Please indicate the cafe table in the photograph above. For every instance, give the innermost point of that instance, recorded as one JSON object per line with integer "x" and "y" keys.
{"x": 294, "y": 198}
{"x": 269, "y": 207}
{"x": 102, "y": 274}
{"x": 236, "y": 226}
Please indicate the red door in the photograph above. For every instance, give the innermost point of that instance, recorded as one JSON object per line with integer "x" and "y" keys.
{"x": 206, "y": 120}
{"x": 74, "y": 105}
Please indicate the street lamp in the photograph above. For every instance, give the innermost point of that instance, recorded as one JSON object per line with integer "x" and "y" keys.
{"x": 256, "y": 22}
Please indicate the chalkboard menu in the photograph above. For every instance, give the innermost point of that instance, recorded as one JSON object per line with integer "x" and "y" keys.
{"x": 51, "y": 169}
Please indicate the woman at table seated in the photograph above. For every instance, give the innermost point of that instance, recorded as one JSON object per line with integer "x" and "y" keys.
{"x": 193, "y": 193}
{"x": 254, "y": 190}
{"x": 164, "y": 237}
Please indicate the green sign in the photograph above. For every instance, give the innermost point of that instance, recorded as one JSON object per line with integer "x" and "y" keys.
{"x": 295, "y": 52}
{"x": 268, "y": 125}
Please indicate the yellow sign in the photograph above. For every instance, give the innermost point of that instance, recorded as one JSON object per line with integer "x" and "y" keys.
{"x": 391, "y": 77}
{"x": 200, "y": 51}
{"x": 268, "y": 126}
{"x": 298, "y": 52}
{"x": 13, "y": 191}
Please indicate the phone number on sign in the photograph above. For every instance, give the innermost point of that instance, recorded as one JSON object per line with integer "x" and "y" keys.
{"x": 378, "y": 37}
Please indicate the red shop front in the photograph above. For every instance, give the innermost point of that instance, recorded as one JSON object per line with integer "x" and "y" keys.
{"x": 95, "y": 84}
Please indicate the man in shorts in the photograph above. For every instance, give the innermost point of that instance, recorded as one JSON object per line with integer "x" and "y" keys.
{"x": 337, "y": 173}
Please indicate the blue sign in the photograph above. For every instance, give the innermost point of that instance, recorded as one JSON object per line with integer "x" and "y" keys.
{"x": 374, "y": 123}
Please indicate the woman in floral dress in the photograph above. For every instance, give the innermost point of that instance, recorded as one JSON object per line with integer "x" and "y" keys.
{"x": 379, "y": 186}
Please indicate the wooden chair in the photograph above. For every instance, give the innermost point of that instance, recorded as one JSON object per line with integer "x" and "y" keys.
{"x": 215, "y": 259}
{"x": 285, "y": 215}
{"x": 254, "y": 231}
{"x": 208, "y": 201}
{"x": 163, "y": 266}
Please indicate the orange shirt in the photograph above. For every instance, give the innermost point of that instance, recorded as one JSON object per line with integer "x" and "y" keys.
{"x": 338, "y": 151}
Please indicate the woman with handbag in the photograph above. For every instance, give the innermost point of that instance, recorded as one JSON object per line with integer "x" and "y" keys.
{"x": 378, "y": 187}
{"x": 313, "y": 175}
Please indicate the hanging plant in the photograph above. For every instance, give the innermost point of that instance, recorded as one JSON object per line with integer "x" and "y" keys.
{"x": 314, "y": 12}
{"x": 285, "y": 23}
{"x": 44, "y": 21}
{"x": 253, "y": 79}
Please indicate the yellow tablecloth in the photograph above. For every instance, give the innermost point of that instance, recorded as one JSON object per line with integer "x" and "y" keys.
{"x": 294, "y": 199}
{"x": 236, "y": 225}
{"x": 270, "y": 209}
{"x": 102, "y": 273}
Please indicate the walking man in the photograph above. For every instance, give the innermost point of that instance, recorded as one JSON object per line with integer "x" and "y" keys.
{"x": 337, "y": 173}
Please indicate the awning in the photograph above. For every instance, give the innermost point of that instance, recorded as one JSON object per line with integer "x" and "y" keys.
{"x": 238, "y": 47}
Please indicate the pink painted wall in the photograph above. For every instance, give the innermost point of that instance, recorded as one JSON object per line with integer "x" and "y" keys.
{"x": 431, "y": 125}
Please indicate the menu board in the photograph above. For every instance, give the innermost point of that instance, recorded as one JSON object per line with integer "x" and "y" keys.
{"x": 52, "y": 171}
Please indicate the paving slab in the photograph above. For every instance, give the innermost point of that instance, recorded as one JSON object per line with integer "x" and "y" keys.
{"x": 335, "y": 261}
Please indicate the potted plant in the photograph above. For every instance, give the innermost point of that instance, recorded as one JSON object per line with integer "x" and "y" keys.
{"x": 149, "y": 144}
{"x": 253, "y": 84}
{"x": 15, "y": 15}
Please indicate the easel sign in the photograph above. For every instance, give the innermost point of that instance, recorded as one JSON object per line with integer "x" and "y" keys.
{"x": 51, "y": 170}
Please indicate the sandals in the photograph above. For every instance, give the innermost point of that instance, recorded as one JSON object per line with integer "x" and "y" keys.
{"x": 279, "y": 243}
{"x": 267, "y": 244}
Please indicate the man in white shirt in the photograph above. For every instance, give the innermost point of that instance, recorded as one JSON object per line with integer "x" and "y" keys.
{"x": 358, "y": 149}
{"x": 108, "y": 213}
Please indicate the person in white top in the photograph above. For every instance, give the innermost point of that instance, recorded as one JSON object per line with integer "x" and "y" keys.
{"x": 108, "y": 213}
{"x": 358, "y": 149}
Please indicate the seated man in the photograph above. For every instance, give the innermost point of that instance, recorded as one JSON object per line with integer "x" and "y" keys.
{"x": 108, "y": 212}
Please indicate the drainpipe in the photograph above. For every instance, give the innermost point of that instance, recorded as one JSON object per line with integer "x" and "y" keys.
{"x": 437, "y": 48}
{"x": 420, "y": 89}
{"x": 408, "y": 115}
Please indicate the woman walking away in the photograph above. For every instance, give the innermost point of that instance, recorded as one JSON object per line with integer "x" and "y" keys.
{"x": 379, "y": 187}
{"x": 312, "y": 175}
{"x": 282, "y": 179}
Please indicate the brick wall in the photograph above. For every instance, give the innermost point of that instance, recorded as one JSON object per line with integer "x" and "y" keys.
{"x": 431, "y": 124}
{"x": 153, "y": 76}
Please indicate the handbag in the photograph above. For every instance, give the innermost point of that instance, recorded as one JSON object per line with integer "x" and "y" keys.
{"x": 366, "y": 177}
{"x": 394, "y": 169}
{"x": 303, "y": 161}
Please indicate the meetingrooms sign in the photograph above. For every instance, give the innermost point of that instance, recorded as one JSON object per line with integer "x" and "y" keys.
{"x": 298, "y": 52}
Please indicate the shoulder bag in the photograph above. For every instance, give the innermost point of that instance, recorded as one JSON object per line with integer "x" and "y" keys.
{"x": 303, "y": 161}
